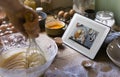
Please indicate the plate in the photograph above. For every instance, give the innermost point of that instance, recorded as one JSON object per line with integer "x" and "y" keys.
{"x": 113, "y": 51}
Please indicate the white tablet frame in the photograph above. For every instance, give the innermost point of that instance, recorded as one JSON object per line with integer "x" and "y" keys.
{"x": 100, "y": 31}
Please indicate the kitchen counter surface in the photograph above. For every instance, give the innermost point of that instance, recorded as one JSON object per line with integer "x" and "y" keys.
{"x": 68, "y": 63}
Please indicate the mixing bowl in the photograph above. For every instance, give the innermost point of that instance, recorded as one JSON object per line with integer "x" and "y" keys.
{"x": 113, "y": 51}
{"x": 55, "y": 28}
{"x": 15, "y": 43}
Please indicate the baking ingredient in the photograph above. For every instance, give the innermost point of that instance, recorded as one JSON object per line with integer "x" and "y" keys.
{"x": 19, "y": 60}
{"x": 30, "y": 3}
{"x": 60, "y": 14}
{"x": 71, "y": 12}
{"x": 15, "y": 61}
{"x": 66, "y": 16}
{"x": 55, "y": 25}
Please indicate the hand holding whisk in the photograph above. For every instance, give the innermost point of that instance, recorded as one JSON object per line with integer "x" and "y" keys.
{"x": 34, "y": 54}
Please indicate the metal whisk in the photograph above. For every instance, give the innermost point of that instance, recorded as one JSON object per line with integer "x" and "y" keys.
{"x": 34, "y": 54}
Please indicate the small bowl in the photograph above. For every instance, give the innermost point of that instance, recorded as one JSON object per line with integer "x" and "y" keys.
{"x": 42, "y": 20}
{"x": 113, "y": 51}
{"x": 55, "y": 28}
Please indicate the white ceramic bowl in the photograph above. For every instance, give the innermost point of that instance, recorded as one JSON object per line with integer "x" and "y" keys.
{"x": 113, "y": 51}
{"x": 49, "y": 48}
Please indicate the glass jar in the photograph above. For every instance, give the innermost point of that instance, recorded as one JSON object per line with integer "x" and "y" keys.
{"x": 105, "y": 17}
{"x": 81, "y": 5}
{"x": 30, "y": 3}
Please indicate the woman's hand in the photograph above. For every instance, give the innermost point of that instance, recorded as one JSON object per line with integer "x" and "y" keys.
{"x": 27, "y": 26}
{"x": 23, "y": 18}
{"x": 31, "y": 24}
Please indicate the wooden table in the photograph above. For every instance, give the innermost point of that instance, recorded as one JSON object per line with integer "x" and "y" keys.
{"x": 68, "y": 63}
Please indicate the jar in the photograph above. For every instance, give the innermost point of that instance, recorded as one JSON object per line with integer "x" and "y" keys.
{"x": 30, "y": 3}
{"x": 81, "y": 5}
{"x": 105, "y": 17}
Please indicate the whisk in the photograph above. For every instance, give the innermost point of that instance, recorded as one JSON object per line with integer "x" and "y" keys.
{"x": 34, "y": 54}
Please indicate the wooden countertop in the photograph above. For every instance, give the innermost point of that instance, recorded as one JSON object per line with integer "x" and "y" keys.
{"x": 68, "y": 63}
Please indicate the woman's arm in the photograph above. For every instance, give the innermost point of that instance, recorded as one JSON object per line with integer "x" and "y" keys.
{"x": 17, "y": 12}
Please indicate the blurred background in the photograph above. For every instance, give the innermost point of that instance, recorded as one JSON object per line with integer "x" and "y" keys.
{"x": 100, "y": 5}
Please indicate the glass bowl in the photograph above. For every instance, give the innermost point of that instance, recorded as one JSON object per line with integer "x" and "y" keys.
{"x": 14, "y": 43}
{"x": 113, "y": 51}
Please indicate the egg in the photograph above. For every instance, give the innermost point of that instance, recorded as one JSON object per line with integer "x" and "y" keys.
{"x": 60, "y": 13}
{"x": 71, "y": 12}
{"x": 66, "y": 16}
